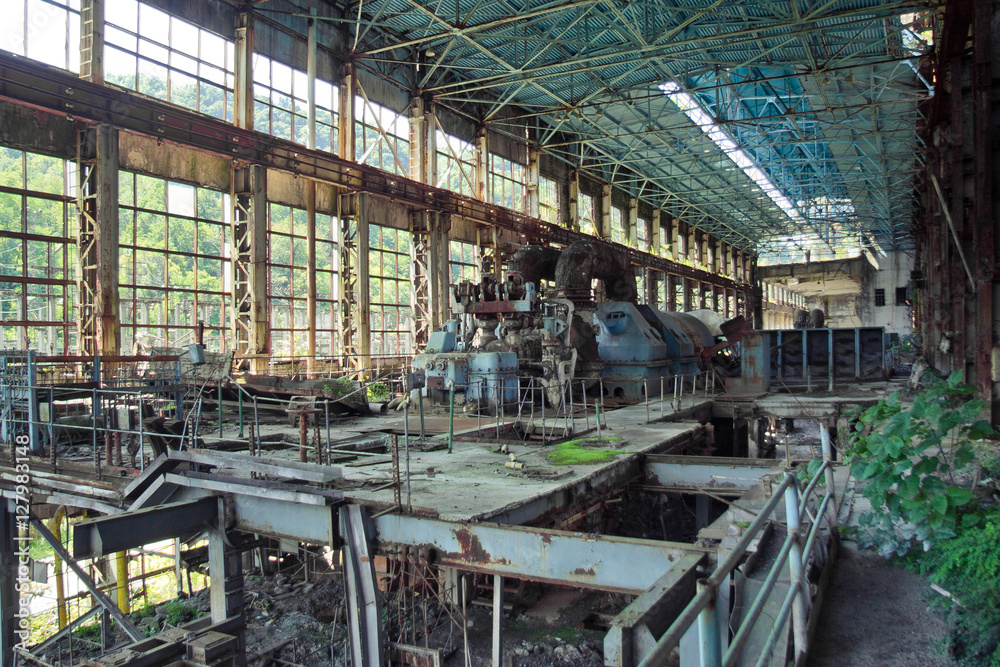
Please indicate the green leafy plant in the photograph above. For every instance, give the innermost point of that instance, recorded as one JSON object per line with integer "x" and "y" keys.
{"x": 907, "y": 459}
{"x": 377, "y": 392}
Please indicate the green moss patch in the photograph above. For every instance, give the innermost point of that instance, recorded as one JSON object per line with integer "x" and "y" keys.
{"x": 576, "y": 452}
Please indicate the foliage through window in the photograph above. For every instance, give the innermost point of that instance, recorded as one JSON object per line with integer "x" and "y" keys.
{"x": 280, "y": 106}
{"x": 548, "y": 200}
{"x": 172, "y": 275}
{"x": 456, "y": 164}
{"x": 154, "y": 53}
{"x": 506, "y": 183}
{"x": 44, "y": 30}
{"x": 585, "y": 214}
{"x": 37, "y": 289}
{"x": 463, "y": 262}
{"x": 389, "y": 273}
{"x": 288, "y": 281}
{"x": 381, "y": 137}
{"x": 642, "y": 234}
{"x": 618, "y": 233}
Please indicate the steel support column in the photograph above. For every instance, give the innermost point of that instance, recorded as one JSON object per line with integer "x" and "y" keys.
{"x": 243, "y": 71}
{"x": 250, "y": 311}
{"x": 364, "y": 620}
{"x": 531, "y": 187}
{"x": 97, "y": 241}
{"x": 92, "y": 41}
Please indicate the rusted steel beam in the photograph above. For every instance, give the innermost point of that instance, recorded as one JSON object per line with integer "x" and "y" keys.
{"x": 50, "y": 89}
{"x": 535, "y": 554}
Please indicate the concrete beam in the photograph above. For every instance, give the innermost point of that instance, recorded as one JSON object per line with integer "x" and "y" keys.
{"x": 686, "y": 473}
{"x": 535, "y": 554}
{"x": 103, "y": 536}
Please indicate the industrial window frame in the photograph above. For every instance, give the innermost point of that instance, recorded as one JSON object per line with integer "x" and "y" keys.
{"x": 463, "y": 261}
{"x": 901, "y": 298}
{"x": 37, "y": 23}
{"x": 618, "y": 233}
{"x": 456, "y": 164}
{"x": 389, "y": 276}
{"x": 162, "y": 55}
{"x": 642, "y": 235}
{"x": 281, "y": 92}
{"x": 50, "y": 286}
{"x": 879, "y": 297}
{"x": 287, "y": 279}
{"x": 507, "y": 183}
{"x": 204, "y": 261}
{"x": 381, "y": 137}
{"x": 548, "y": 200}
{"x": 585, "y": 214}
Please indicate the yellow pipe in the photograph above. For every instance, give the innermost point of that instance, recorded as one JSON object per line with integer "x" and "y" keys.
{"x": 121, "y": 579}
{"x": 54, "y": 525}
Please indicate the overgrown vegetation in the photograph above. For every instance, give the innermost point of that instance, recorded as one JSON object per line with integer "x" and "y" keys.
{"x": 576, "y": 452}
{"x": 921, "y": 466}
{"x": 909, "y": 459}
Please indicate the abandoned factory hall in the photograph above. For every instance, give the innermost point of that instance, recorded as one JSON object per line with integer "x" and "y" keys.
{"x": 519, "y": 333}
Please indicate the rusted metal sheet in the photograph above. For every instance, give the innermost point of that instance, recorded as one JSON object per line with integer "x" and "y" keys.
{"x": 535, "y": 554}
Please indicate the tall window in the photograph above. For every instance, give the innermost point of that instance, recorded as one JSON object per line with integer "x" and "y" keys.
{"x": 389, "y": 270}
{"x": 548, "y": 200}
{"x": 642, "y": 234}
{"x": 618, "y": 234}
{"x": 288, "y": 282}
{"x": 172, "y": 240}
{"x": 463, "y": 262}
{"x": 43, "y": 30}
{"x": 456, "y": 164}
{"x": 165, "y": 57}
{"x": 506, "y": 183}
{"x": 381, "y": 137}
{"x": 280, "y": 107}
{"x": 585, "y": 213}
{"x": 880, "y": 297}
{"x": 37, "y": 250}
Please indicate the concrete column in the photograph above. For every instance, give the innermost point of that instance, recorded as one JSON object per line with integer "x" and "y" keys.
{"x": 604, "y": 218}
{"x": 482, "y": 165}
{"x": 92, "y": 41}
{"x": 243, "y": 71}
{"x": 497, "y": 620}
{"x": 655, "y": 234}
{"x": 673, "y": 226}
{"x": 574, "y": 190}
{"x": 423, "y": 142}
{"x": 348, "y": 84}
{"x": 531, "y": 188}
{"x": 225, "y": 569}
{"x": 755, "y": 437}
{"x": 632, "y": 228}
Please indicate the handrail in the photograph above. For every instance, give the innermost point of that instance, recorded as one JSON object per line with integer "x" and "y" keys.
{"x": 792, "y": 551}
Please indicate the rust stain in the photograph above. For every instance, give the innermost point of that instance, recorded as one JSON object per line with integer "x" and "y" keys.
{"x": 472, "y": 549}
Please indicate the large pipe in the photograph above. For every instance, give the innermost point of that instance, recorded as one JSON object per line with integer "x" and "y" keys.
{"x": 584, "y": 261}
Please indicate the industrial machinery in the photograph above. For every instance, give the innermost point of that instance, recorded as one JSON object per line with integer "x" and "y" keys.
{"x": 540, "y": 327}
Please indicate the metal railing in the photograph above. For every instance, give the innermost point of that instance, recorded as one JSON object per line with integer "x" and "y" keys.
{"x": 797, "y": 550}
